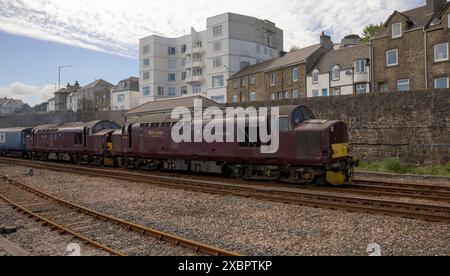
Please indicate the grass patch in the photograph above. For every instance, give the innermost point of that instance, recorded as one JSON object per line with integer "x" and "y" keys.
{"x": 396, "y": 166}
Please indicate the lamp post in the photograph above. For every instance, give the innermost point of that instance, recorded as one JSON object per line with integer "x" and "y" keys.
{"x": 59, "y": 74}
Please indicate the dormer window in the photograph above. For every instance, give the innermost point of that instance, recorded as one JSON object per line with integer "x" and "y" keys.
{"x": 315, "y": 76}
{"x": 397, "y": 30}
{"x": 336, "y": 73}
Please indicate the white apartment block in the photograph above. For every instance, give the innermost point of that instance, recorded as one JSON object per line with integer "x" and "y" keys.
{"x": 341, "y": 72}
{"x": 201, "y": 62}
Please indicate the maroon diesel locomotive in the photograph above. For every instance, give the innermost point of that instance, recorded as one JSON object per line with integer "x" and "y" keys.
{"x": 311, "y": 151}
{"x": 82, "y": 143}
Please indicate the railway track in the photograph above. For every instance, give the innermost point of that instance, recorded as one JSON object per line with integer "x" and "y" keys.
{"x": 305, "y": 197}
{"x": 113, "y": 235}
{"x": 423, "y": 192}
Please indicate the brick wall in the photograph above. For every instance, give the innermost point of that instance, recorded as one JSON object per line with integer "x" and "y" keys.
{"x": 413, "y": 126}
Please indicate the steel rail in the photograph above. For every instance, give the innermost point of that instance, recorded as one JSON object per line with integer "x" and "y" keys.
{"x": 177, "y": 240}
{"x": 300, "y": 197}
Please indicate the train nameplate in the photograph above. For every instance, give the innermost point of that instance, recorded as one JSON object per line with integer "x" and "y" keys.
{"x": 155, "y": 133}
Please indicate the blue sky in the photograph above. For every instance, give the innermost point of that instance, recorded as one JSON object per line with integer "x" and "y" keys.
{"x": 99, "y": 38}
{"x": 33, "y": 62}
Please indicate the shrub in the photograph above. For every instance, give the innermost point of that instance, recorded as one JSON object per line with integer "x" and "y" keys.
{"x": 394, "y": 166}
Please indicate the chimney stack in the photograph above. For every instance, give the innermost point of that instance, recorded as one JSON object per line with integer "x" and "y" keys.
{"x": 325, "y": 41}
{"x": 435, "y": 6}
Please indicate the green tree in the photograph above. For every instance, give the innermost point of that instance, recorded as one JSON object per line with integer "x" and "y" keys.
{"x": 370, "y": 31}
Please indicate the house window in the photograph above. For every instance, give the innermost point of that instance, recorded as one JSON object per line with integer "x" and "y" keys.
{"x": 392, "y": 57}
{"x": 146, "y": 62}
{"x": 183, "y": 75}
{"x": 160, "y": 91}
{"x": 146, "y": 91}
{"x": 146, "y": 49}
{"x": 171, "y": 51}
{"x": 218, "y": 99}
{"x": 172, "y": 91}
{"x": 441, "y": 83}
{"x": 266, "y": 50}
{"x": 184, "y": 90}
{"x": 325, "y": 92}
{"x": 235, "y": 84}
{"x": 280, "y": 95}
{"x": 383, "y": 87}
{"x": 217, "y": 62}
{"x": 217, "y": 31}
{"x": 360, "y": 66}
{"x": 295, "y": 94}
{"x": 120, "y": 98}
{"x": 146, "y": 76}
{"x": 197, "y": 72}
{"x": 183, "y": 62}
{"x": 258, "y": 49}
{"x": 217, "y": 46}
{"x": 315, "y": 76}
{"x": 197, "y": 44}
{"x": 397, "y": 30}
{"x": 253, "y": 96}
{"x": 273, "y": 96}
{"x": 286, "y": 95}
{"x": 336, "y": 91}
{"x": 336, "y": 73}
{"x": 244, "y": 82}
{"x": 183, "y": 49}
{"x": 315, "y": 93}
{"x": 361, "y": 89}
{"x": 294, "y": 74}
{"x": 196, "y": 88}
{"x": 252, "y": 80}
{"x": 272, "y": 79}
{"x": 171, "y": 77}
{"x": 217, "y": 81}
{"x": 441, "y": 52}
{"x": 234, "y": 99}
{"x": 403, "y": 85}
{"x": 172, "y": 63}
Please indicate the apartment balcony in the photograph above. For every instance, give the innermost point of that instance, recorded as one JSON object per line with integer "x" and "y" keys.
{"x": 197, "y": 50}
{"x": 361, "y": 77}
{"x": 192, "y": 79}
{"x": 198, "y": 64}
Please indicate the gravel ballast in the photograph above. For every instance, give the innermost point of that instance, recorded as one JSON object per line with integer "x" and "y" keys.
{"x": 246, "y": 226}
{"x": 38, "y": 240}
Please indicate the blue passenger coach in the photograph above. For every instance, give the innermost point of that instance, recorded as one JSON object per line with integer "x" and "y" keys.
{"x": 13, "y": 141}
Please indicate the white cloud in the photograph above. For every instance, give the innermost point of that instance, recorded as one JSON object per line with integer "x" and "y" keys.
{"x": 27, "y": 93}
{"x": 115, "y": 26}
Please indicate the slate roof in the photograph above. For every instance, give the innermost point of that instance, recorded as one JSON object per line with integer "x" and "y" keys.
{"x": 344, "y": 57}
